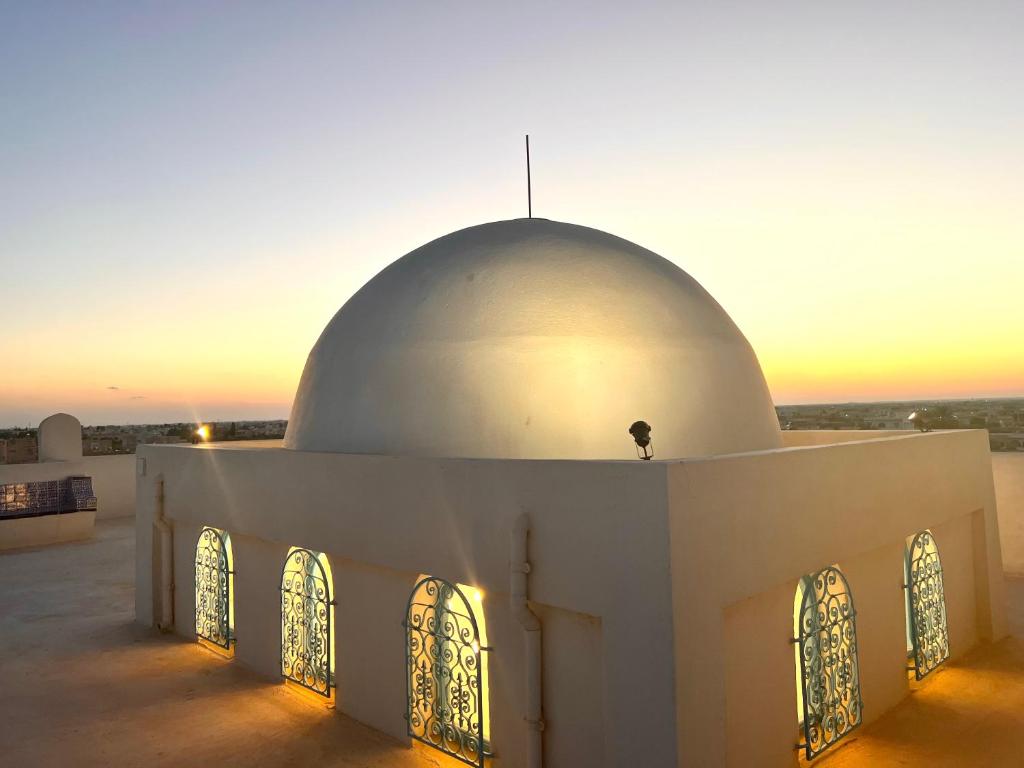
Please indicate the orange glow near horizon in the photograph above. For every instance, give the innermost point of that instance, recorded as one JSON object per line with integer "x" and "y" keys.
{"x": 192, "y": 375}
{"x": 193, "y": 380}
{"x": 844, "y": 293}
{"x": 894, "y": 374}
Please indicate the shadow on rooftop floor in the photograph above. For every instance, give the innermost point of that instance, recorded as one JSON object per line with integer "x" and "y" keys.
{"x": 967, "y": 713}
{"x": 83, "y": 685}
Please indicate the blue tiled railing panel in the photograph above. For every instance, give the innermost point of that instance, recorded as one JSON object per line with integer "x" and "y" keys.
{"x": 46, "y": 497}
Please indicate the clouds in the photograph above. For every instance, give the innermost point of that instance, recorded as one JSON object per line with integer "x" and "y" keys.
{"x": 113, "y": 388}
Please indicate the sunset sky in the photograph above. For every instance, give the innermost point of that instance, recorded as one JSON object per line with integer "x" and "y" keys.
{"x": 189, "y": 191}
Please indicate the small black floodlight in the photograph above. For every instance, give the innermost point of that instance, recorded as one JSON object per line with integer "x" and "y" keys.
{"x": 920, "y": 420}
{"x": 641, "y": 432}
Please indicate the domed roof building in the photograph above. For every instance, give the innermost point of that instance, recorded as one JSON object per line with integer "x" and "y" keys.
{"x": 531, "y": 339}
{"x": 403, "y": 552}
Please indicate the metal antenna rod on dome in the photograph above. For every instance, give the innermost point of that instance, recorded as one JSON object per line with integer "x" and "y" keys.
{"x": 529, "y": 192}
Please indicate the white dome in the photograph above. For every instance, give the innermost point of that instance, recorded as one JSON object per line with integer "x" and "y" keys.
{"x": 531, "y": 339}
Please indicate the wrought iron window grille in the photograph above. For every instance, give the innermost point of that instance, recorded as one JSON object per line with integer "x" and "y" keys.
{"x": 445, "y": 672}
{"x": 307, "y": 612}
{"x": 926, "y": 605}
{"x": 214, "y": 578}
{"x": 829, "y": 669}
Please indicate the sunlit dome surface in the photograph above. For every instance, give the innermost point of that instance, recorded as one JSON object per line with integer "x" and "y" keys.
{"x": 531, "y": 339}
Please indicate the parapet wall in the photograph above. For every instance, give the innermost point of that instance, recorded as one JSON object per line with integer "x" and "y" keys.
{"x": 665, "y": 588}
{"x": 796, "y": 438}
{"x": 598, "y": 553}
{"x": 113, "y": 482}
{"x": 1008, "y": 472}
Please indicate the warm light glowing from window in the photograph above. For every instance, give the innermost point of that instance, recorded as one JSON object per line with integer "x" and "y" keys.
{"x": 476, "y": 604}
{"x": 322, "y": 558}
{"x": 229, "y": 551}
{"x": 329, "y": 576}
{"x": 805, "y": 586}
{"x": 798, "y": 602}
{"x": 229, "y": 558}
{"x": 906, "y": 599}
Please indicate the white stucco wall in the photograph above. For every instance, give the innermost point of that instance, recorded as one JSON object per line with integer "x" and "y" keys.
{"x": 27, "y": 473}
{"x": 113, "y": 482}
{"x": 575, "y": 696}
{"x": 1008, "y": 470}
{"x": 45, "y": 529}
{"x": 795, "y": 438}
{"x": 745, "y": 528}
{"x": 665, "y": 589}
{"x": 382, "y": 521}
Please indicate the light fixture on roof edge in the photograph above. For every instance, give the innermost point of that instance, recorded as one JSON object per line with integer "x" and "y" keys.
{"x": 641, "y": 432}
{"x": 920, "y": 420}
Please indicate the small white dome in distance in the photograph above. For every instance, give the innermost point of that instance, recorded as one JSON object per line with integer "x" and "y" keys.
{"x": 531, "y": 339}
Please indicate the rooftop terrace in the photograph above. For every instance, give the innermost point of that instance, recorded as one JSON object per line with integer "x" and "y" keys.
{"x": 967, "y": 713}
{"x": 83, "y": 685}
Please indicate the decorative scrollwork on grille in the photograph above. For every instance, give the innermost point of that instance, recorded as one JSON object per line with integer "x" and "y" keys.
{"x": 306, "y": 608}
{"x": 829, "y": 673}
{"x": 444, "y": 672}
{"x": 213, "y": 588}
{"x": 926, "y": 604}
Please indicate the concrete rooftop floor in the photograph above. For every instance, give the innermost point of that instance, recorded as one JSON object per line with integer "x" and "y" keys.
{"x": 82, "y": 685}
{"x": 966, "y": 713}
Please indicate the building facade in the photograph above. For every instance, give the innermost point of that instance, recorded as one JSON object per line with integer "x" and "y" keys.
{"x": 461, "y": 544}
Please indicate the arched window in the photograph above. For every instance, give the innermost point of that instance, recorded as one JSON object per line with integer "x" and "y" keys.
{"x": 446, "y": 669}
{"x": 215, "y": 577}
{"x": 926, "y": 604}
{"x": 828, "y": 687}
{"x": 307, "y": 621}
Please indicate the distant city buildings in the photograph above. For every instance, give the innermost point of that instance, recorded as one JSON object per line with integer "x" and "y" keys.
{"x": 18, "y": 446}
{"x": 1008, "y": 441}
{"x": 103, "y": 444}
{"x": 18, "y": 450}
{"x": 1003, "y": 418}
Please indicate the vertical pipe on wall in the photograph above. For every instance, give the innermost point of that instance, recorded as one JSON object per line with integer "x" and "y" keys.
{"x": 166, "y": 622}
{"x": 519, "y": 569}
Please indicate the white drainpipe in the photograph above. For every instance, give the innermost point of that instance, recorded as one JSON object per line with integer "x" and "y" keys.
{"x": 166, "y": 622}
{"x": 519, "y": 568}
